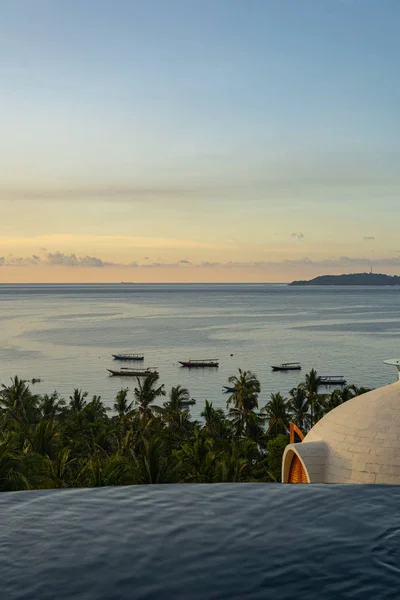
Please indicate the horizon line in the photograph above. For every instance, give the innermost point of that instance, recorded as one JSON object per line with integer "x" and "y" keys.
{"x": 144, "y": 283}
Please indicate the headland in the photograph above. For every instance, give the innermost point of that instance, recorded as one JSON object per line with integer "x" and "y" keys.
{"x": 352, "y": 279}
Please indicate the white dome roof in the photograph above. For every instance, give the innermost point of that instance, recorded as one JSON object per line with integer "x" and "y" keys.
{"x": 357, "y": 442}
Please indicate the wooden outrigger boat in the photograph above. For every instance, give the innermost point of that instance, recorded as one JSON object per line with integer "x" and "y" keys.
{"x": 128, "y": 356}
{"x": 291, "y": 366}
{"x": 228, "y": 389}
{"x": 185, "y": 403}
{"x": 125, "y": 372}
{"x": 205, "y": 362}
{"x": 332, "y": 380}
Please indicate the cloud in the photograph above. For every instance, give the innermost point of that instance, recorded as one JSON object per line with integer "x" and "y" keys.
{"x": 161, "y": 265}
{"x": 207, "y": 264}
{"x": 19, "y": 261}
{"x": 298, "y": 236}
{"x": 59, "y": 258}
{"x": 71, "y": 260}
{"x": 127, "y": 192}
{"x": 91, "y": 261}
{"x": 228, "y": 176}
{"x": 368, "y": 237}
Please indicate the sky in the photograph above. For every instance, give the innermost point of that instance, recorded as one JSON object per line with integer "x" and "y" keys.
{"x": 198, "y": 140}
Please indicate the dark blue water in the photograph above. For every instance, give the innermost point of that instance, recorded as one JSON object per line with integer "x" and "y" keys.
{"x": 65, "y": 334}
{"x": 228, "y": 541}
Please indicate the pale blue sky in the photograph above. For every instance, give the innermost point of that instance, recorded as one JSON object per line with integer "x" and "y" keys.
{"x": 201, "y": 131}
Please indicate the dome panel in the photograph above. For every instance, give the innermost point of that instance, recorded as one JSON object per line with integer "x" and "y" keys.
{"x": 362, "y": 438}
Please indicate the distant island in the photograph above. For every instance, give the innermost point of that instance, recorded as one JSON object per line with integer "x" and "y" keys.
{"x": 352, "y": 279}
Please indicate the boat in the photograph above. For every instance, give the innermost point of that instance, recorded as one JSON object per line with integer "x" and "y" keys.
{"x": 128, "y": 356}
{"x": 205, "y": 362}
{"x": 125, "y": 372}
{"x": 332, "y": 380}
{"x": 188, "y": 402}
{"x": 228, "y": 389}
{"x": 290, "y": 366}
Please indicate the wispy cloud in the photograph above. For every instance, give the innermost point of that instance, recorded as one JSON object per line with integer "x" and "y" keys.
{"x": 160, "y": 265}
{"x": 129, "y": 192}
{"x": 225, "y": 180}
{"x": 298, "y": 236}
{"x": 19, "y": 261}
{"x": 345, "y": 261}
{"x": 53, "y": 241}
{"x": 54, "y": 259}
{"x": 368, "y": 238}
{"x": 72, "y": 260}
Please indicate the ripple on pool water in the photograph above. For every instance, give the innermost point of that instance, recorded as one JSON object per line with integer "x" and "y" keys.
{"x": 233, "y": 541}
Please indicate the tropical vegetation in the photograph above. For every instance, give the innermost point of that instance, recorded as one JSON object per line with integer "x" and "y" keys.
{"x": 47, "y": 442}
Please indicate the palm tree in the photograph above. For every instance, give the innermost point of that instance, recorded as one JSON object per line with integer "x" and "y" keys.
{"x": 77, "y": 400}
{"x": 197, "y": 459}
{"x": 18, "y": 402}
{"x": 276, "y": 411}
{"x": 216, "y": 424}
{"x": 152, "y": 462}
{"x": 146, "y": 393}
{"x": 103, "y": 470}
{"x": 43, "y": 439}
{"x": 95, "y": 410}
{"x": 237, "y": 461}
{"x": 55, "y": 473}
{"x": 177, "y": 395}
{"x": 346, "y": 393}
{"x": 51, "y": 406}
{"x": 11, "y": 478}
{"x": 245, "y": 419}
{"x": 232, "y": 465}
{"x": 337, "y": 398}
{"x": 359, "y": 390}
{"x": 298, "y": 407}
{"x": 246, "y": 387}
{"x": 175, "y": 418}
{"x": 121, "y": 404}
{"x": 247, "y": 423}
{"x": 311, "y": 387}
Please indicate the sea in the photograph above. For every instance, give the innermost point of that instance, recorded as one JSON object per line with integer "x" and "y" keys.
{"x": 65, "y": 335}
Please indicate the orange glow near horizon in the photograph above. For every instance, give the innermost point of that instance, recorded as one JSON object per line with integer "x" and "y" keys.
{"x": 273, "y": 274}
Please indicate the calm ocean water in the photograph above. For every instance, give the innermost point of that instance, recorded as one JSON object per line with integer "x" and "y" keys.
{"x": 65, "y": 334}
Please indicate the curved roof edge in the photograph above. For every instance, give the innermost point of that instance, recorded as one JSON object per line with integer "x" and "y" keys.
{"x": 313, "y": 457}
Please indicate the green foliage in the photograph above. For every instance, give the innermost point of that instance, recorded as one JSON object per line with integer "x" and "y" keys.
{"x": 146, "y": 393}
{"x": 246, "y": 419}
{"x": 298, "y": 407}
{"x": 276, "y": 411}
{"x": 275, "y": 449}
{"x": 46, "y": 444}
